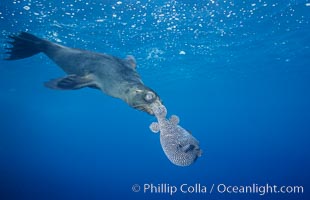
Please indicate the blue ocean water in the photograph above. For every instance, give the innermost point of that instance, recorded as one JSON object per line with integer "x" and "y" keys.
{"x": 237, "y": 73}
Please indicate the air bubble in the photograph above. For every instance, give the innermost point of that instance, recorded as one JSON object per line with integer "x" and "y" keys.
{"x": 26, "y": 8}
{"x": 182, "y": 52}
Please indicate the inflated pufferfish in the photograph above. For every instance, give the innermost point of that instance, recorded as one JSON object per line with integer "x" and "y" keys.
{"x": 179, "y": 145}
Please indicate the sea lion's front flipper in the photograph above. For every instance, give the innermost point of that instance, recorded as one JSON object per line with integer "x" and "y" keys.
{"x": 131, "y": 61}
{"x": 71, "y": 82}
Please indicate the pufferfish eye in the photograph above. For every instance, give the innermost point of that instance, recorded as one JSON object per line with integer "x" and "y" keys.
{"x": 149, "y": 96}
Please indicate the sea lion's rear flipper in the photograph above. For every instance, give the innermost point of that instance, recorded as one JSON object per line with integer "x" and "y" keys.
{"x": 25, "y": 45}
{"x": 71, "y": 82}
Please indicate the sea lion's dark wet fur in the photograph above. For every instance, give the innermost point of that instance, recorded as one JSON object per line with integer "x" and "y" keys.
{"x": 114, "y": 76}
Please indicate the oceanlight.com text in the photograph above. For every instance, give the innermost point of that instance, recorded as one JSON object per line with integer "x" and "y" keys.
{"x": 260, "y": 189}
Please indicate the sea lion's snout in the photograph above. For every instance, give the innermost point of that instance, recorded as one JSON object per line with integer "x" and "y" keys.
{"x": 143, "y": 99}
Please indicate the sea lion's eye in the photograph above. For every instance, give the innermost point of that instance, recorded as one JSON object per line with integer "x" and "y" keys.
{"x": 149, "y": 96}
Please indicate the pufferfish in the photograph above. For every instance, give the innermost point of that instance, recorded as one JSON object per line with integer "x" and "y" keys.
{"x": 179, "y": 145}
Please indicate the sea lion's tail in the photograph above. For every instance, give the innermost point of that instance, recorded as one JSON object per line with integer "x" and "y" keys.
{"x": 24, "y": 45}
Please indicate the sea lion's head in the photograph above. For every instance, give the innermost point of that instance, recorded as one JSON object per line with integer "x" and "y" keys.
{"x": 143, "y": 98}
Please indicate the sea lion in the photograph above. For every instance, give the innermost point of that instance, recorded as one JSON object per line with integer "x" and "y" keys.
{"x": 179, "y": 145}
{"x": 113, "y": 76}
